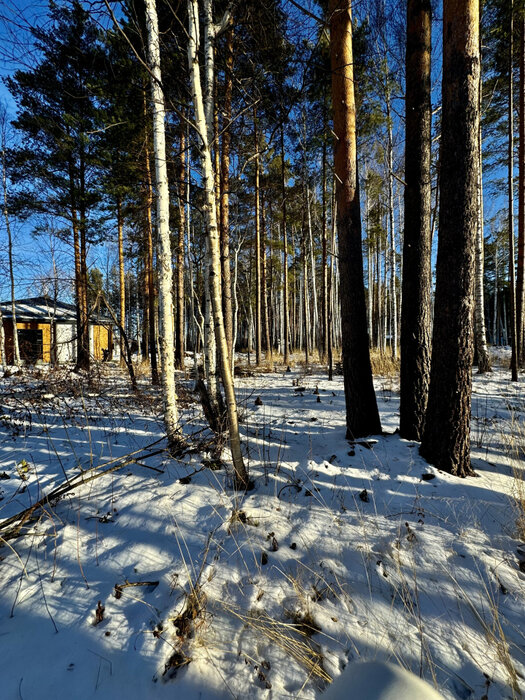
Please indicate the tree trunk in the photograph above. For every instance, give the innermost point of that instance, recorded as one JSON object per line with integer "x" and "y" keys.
{"x": 83, "y": 356}
{"x": 148, "y": 272}
{"x": 264, "y": 294}
{"x": 512, "y": 264}
{"x": 417, "y": 244}
{"x": 179, "y": 336}
{"x": 152, "y": 335}
{"x": 258, "y": 323}
{"x": 520, "y": 283}
{"x": 122, "y": 287}
{"x": 16, "y": 349}
{"x": 362, "y": 416}
{"x": 241, "y": 475}
{"x": 285, "y": 311}
{"x": 315, "y": 312}
{"x": 324, "y": 257}
{"x": 480, "y": 331}
{"x": 225, "y": 196}
{"x": 3, "y": 357}
{"x": 446, "y": 434}
{"x": 171, "y": 417}
{"x": 391, "y": 222}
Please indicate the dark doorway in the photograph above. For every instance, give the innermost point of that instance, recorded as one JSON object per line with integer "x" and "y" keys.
{"x": 30, "y": 344}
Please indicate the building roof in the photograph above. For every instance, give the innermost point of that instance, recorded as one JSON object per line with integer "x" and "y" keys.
{"x": 45, "y": 308}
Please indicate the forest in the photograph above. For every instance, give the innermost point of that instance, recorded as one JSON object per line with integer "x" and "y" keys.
{"x": 262, "y": 342}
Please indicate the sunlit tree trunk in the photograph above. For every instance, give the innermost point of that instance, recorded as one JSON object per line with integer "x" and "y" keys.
{"x": 446, "y": 435}
{"x": 264, "y": 291}
{"x": 520, "y": 282}
{"x": 258, "y": 324}
{"x": 225, "y": 195}
{"x": 324, "y": 258}
{"x": 179, "y": 336}
{"x": 480, "y": 331}
{"x": 122, "y": 286}
{"x": 3, "y": 357}
{"x": 391, "y": 221}
{"x": 362, "y": 416}
{"x": 167, "y": 339}
{"x": 214, "y": 262}
{"x": 512, "y": 264}
{"x": 285, "y": 310}
{"x": 417, "y": 243}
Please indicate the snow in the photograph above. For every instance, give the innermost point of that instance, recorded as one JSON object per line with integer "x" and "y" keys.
{"x": 268, "y": 594}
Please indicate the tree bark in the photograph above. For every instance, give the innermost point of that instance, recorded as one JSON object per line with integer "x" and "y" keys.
{"x": 417, "y": 246}
{"x": 324, "y": 255}
{"x": 214, "y": 262}
{"x": 171, "y": 417}
{"x": 179, "y": 336}
{"x": 391, "y": 222}
{"x": 286, "y": 318}
{"x": 225, "y": 196}
{"x": 122, "y": 286}
{"x": 446, "y": 435}
{"x": 83, "y": 355}
{"x": 362, "y": 416}
{"x": 152, "y": 334}
{"x": 264, "y": 294}
{"x": 480, "y": 331}
{"x": 520, "y": 282}
{"x": 512, "y": 264}
{"x": 258, "y": 323}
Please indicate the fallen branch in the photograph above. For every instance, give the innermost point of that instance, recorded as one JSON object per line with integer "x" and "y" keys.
{"x": 11, "y": 528}
{"x": 129, "y": 584}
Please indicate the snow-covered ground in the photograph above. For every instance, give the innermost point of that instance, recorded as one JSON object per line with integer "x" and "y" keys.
{"x": 340, "y": 553}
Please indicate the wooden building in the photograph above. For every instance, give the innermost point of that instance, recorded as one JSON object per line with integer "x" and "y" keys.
{"x": 47, "y": 331}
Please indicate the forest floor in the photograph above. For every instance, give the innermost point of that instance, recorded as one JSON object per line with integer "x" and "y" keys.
{"x": 155, "y": 580}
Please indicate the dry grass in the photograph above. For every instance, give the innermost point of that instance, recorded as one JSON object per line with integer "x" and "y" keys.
{"x": 383, "y": 364}
{"x": 290, "y": 637}
{"x": 514, "y": 440}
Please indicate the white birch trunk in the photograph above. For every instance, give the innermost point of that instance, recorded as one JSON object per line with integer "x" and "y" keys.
{"x": 315, "y": 328}
{"x": 480, "y": 330}
{"x": 393, "y": 338}
{"x": 3, "y": 359}
{"x": 208, "y": 185}
{"x": 167, "y": 339}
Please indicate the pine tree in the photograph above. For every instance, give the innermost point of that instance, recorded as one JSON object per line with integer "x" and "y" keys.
{"x": 446, "y": 436}
{"x": 362, "y": 416}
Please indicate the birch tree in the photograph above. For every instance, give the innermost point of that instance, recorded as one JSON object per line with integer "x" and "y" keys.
{"x": 203, "y": 125}
{"x": 167, "y": 337}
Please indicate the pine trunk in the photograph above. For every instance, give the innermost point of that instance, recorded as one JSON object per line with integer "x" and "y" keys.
{"x": 122, "y": 286}
{"x": 285, "y": 311}
{"x": 179, "y": 336}
{"x": 446, "y": 435}
{"x": 520, "y": 282}
{"x": 480, "y": 331}
{"x": 362, "y": 416}
{"x": 417, "y": 245}
{"x": 258, "y": 321}
{"x": 512, "y": 264}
